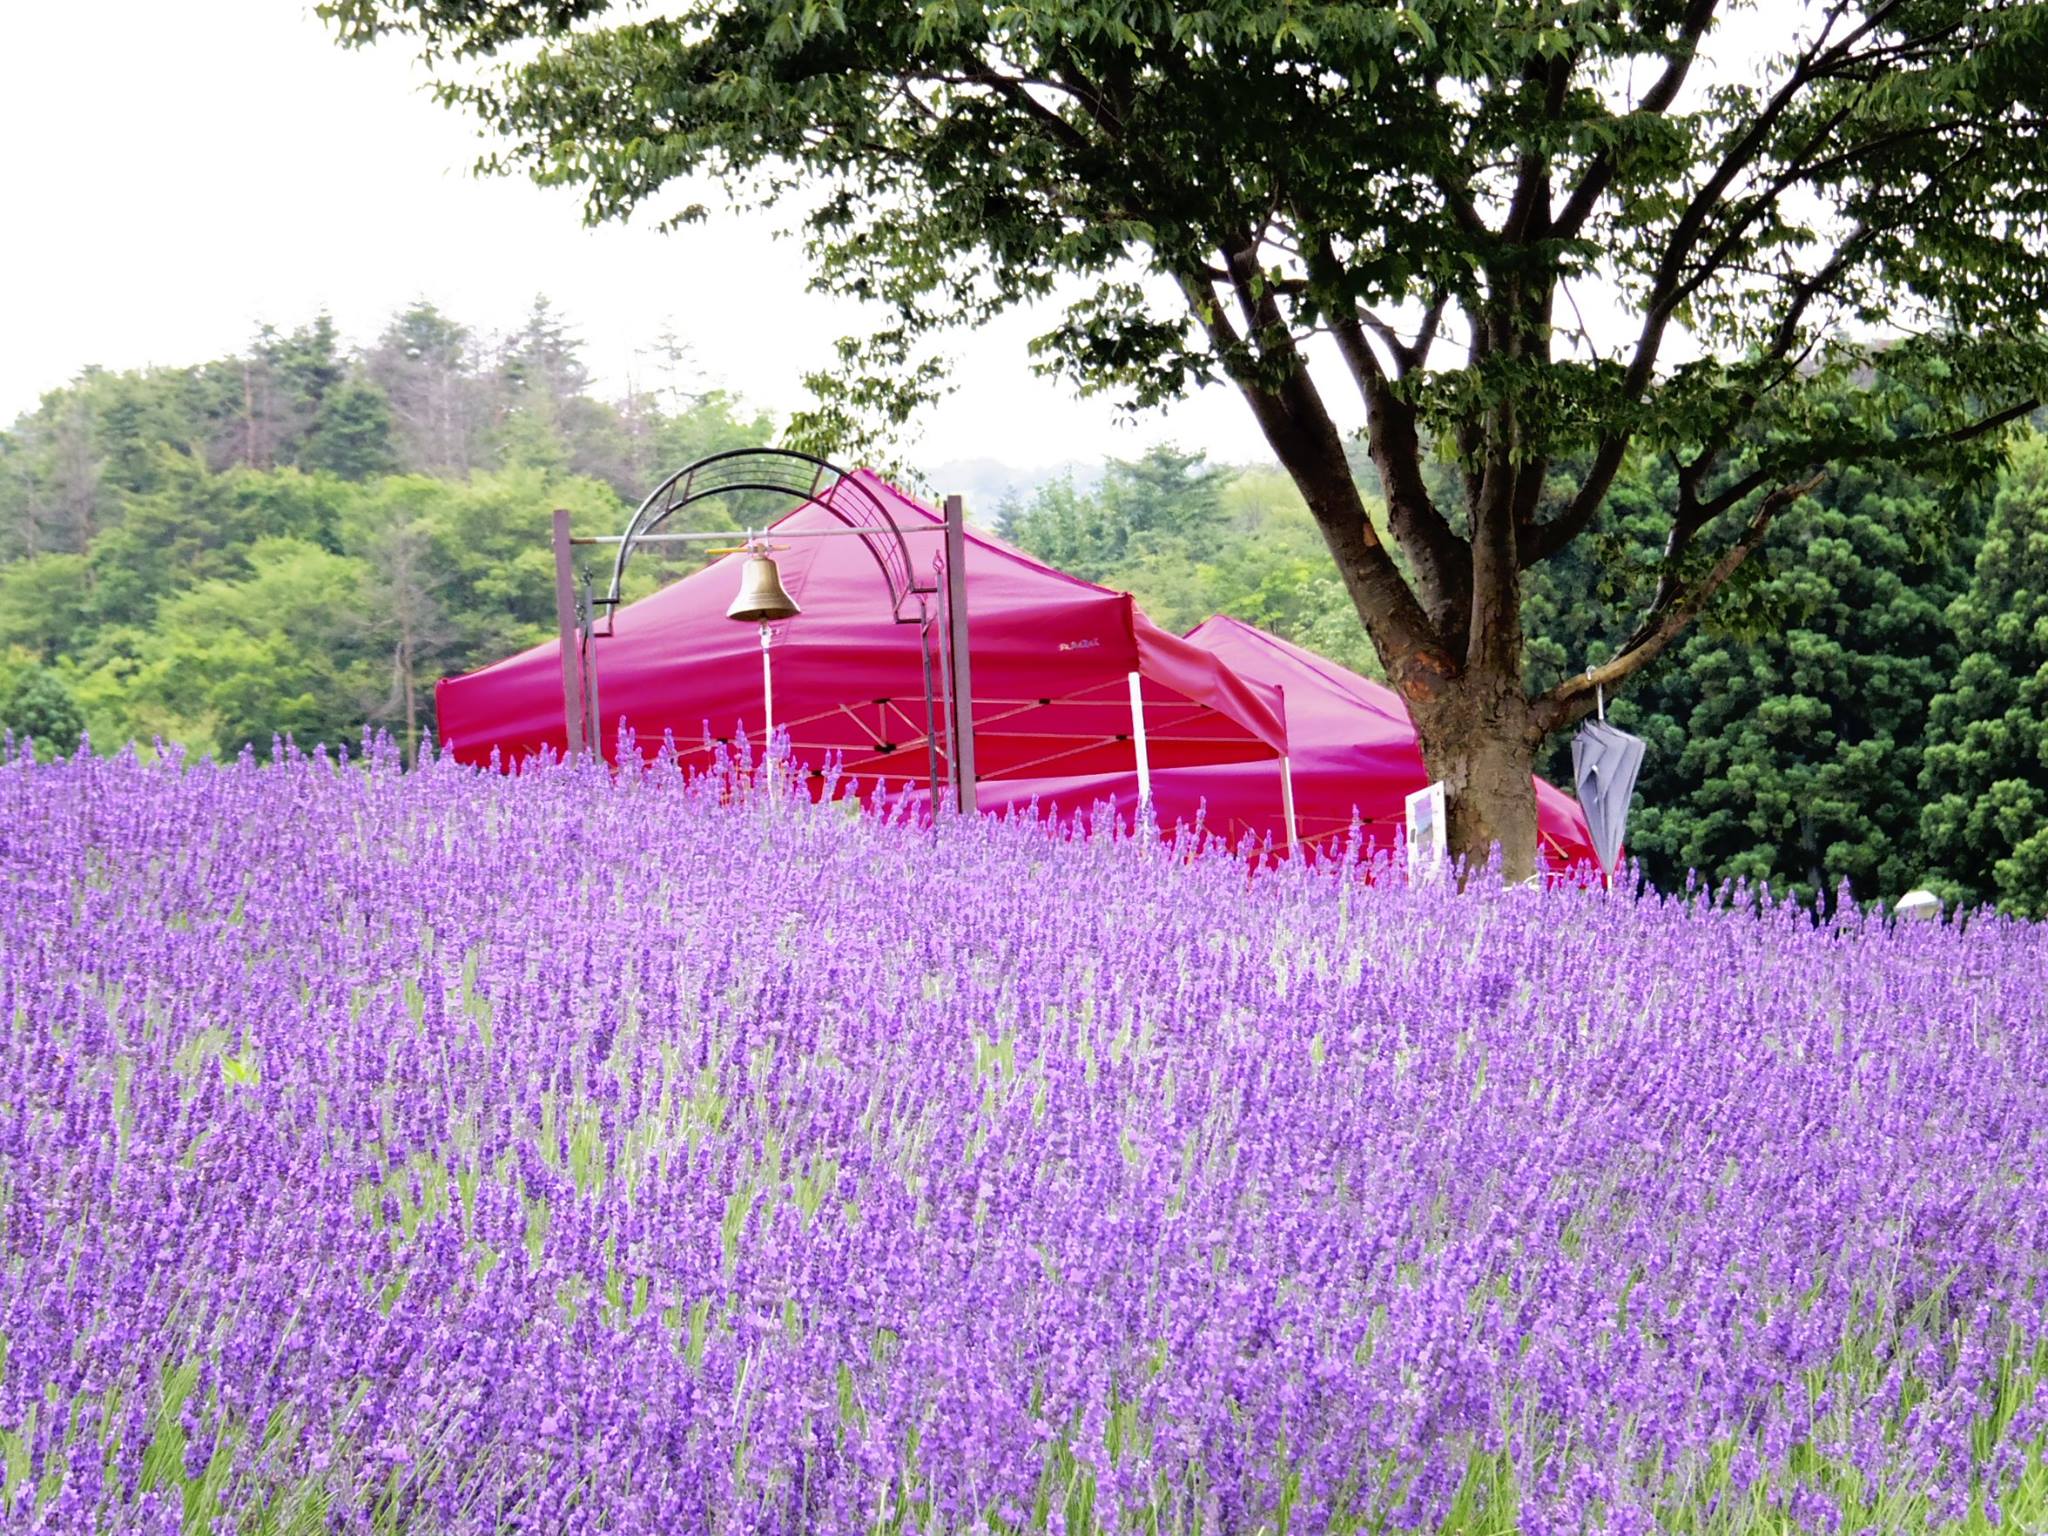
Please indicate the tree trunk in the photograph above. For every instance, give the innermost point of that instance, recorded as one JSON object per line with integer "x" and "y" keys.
{"x": 1475, "y": 725}
{"x": 1477, "y": 731}
{"x": 1477, "y": 738}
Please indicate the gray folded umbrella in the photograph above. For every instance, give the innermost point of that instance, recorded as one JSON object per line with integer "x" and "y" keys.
{"x": 1604, "y": 762}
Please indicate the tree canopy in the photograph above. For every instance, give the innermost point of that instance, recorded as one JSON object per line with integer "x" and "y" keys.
{"x": 1864, "y": 715}
{"x": 1443, "y": 191}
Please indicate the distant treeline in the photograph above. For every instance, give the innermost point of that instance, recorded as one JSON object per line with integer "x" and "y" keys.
{"x": 301, "y": 538}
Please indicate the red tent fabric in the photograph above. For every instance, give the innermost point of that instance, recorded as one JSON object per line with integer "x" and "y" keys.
{"x": 1051, "y": 656}
{"x": 1351, "y": 745}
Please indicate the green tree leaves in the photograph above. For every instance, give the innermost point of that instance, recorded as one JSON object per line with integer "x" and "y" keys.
{"x": 1190, "y": 539}
{"x": 37, "y": 706}
{"x": 1441, "y": 189}
{"x": 1986, "y": 774}
{"x": 222, "y": 554}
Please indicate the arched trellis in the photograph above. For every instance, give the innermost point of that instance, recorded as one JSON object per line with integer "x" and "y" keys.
{"x": 805, "y": 479}
{"x": 782, "y": 471}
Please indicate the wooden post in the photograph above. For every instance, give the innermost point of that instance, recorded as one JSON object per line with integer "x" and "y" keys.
{"x": 565, "y": 624}
{"x": 957, "y": 663}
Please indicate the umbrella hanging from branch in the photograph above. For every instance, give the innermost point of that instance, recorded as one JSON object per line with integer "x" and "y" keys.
{"x": 1604, "y": 765}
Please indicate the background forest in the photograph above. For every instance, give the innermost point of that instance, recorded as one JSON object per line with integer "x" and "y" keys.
{"x": 301, "y": 539}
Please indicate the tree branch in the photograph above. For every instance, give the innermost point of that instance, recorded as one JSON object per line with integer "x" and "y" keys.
{"x": 1694, "y": 515}
{"x": 1668, "y": 613}
{"x": 1669, "y": 286}
{"x": 1307, "y": 443}
{"x": 1599, "y": 173}
{"x": 1018, "y": 93}
{"x": 1425, "y": 334}
{"x": 1573, "y": 698}
{"x": 1463, "y": 210}
{"x": 1443, "y": 562}
{"x": 1408, "y": 356}
{"x": 1528, "y": 215}
{"x": 1898, "y": 448}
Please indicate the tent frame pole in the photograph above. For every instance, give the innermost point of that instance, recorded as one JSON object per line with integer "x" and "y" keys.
{"x": 1143, "y": 756}
{"x": 931, "y": 744}
{"x": 947, "y": 750}
{"x": 593, "y": 721}
{"x": 1287, "y": 801}
{"x": 565, "y": 623}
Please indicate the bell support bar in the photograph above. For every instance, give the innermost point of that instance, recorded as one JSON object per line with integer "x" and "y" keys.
{"x": 728, "y": 533}
{"x": 576, "y": 670}
{"x": 786, "y": 473}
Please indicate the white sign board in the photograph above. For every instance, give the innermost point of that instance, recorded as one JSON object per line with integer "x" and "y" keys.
{"x": 1427, "y": 836}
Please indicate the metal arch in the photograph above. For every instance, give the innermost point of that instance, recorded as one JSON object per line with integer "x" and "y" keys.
{"x": 784, "y": 470}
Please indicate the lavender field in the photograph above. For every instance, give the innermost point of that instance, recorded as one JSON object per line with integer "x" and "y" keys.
{"x": 447, "y": 1153}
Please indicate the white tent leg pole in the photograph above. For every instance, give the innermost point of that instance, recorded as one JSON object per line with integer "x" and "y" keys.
{"x": 1144, "y": 758}
{"x": 1287, "y": 800}
{"x": 767, "y": 699}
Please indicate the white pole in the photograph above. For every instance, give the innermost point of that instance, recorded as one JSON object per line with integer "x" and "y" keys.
{"x": 1287, "y": 799}
{"x": 767, "y": 768}
{"x": 1144, "y": 759}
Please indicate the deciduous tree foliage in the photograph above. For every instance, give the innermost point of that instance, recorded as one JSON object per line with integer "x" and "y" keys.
{"x": 1189, "y": 539}
{"x": 222, "y": 554}
{"x": 36, "y": 706}
{"x": 1443, "y": 188}
{"x": 1787, "y": 731}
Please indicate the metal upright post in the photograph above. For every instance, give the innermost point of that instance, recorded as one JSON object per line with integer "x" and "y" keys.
{"x": 962, "y": 676}
{"x": 565, "y": 623}
{"x": 944, "y": 725}
{"x": 586, "y": 660}
{"x": 931, "y": 745}
{"x": 767, "y": 771}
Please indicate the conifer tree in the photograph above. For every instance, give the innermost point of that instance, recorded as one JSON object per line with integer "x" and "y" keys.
{"x": 1986, "y": 775}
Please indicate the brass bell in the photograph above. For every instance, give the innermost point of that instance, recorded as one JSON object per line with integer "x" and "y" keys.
{"x": 761, "y": 599}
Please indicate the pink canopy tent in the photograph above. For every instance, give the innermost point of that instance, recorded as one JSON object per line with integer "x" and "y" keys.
{"x": 1351, "y": 744}
{"x": 1051, "y": 655}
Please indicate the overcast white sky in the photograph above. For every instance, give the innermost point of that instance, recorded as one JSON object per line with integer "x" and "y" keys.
{"x": 177, "y": 174}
